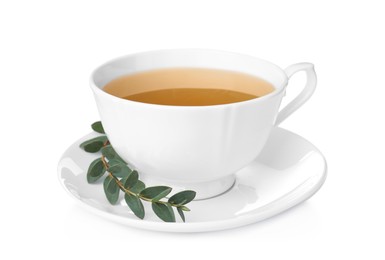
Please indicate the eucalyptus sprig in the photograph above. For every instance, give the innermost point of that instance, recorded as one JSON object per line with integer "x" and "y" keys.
{"x": 120, "y": 177}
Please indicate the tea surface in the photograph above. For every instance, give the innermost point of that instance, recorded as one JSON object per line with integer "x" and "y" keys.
{"x": 189, "y": 87}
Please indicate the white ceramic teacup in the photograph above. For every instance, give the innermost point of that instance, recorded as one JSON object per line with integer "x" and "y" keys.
{"x": 194, "y": 147}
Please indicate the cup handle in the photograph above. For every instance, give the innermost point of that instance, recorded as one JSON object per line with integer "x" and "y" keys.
{"x": 306, "y": 93}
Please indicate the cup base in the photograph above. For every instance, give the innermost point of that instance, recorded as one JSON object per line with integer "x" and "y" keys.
{"x": 204, "y": 190}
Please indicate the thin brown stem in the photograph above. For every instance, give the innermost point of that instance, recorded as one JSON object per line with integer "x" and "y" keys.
{"x": 121, "y": 186}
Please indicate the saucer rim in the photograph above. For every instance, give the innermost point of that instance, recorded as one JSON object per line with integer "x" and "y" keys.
{"x": 206, "y": 226}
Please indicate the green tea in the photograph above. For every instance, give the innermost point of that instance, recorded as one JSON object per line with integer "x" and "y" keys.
{"x": 189, "y": 87}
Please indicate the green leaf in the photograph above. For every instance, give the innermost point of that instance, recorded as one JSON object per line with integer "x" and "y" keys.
{"x": 138, "y": 187}
{"x": 184, "y": 208}
{"x": 119, "y": 169}
{"x": 111, "y": 154}
{"x": 108, "y": 152}
{"x": 135, "y": 205}
{"x": 95, "y": 170}
{"x": 131, "y": 180}
{"x": 163, "y": 211}
{"x": 114, "y": 162}
{"x": 94, "y": 145}
{"x": 155, "y": 193}
{"x": 111, "y": 189}
{"x": 98, "y": 127}
{"x": 182, "y": 198}
{"x": 181, "y": 214}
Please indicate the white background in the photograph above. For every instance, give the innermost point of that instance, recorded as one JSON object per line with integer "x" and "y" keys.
{"x": 49, "y": 48}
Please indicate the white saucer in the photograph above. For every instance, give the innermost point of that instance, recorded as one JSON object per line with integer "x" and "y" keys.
{"x": 289, "y": 171}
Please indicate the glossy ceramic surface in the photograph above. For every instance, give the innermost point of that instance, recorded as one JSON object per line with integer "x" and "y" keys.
{"x": 288, "y": 171}
{"x": 197, "y": 147}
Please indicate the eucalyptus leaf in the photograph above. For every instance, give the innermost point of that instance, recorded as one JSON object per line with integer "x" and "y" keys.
{"x": 95, "y": 170}
{"x": 155, "y": 193}
{"x": 181, "y": 214}
{"x": 98, "y": 127}
{"x": 135, "y": 205}
{"x": 184, "y": 208}
{"x": 119, "y": 169}
{"x": 131, "y": 180}
{"x": 163, "y": 211}
{"x": 138, "y": 187}
{"x": 108, "y": 152}
{"x": 111, "y": 189}
{"x": 111, "y": 154}
{"x": 182, "y": 197}
{"x": 94, "y": 145}
{"x": 120, "y": 172}
{"x": 114, "y": 162}
{"x": 121, "y": 177}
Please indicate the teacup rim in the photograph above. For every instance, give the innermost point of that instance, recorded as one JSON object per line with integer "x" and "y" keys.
{"x": 274, "y": 93}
